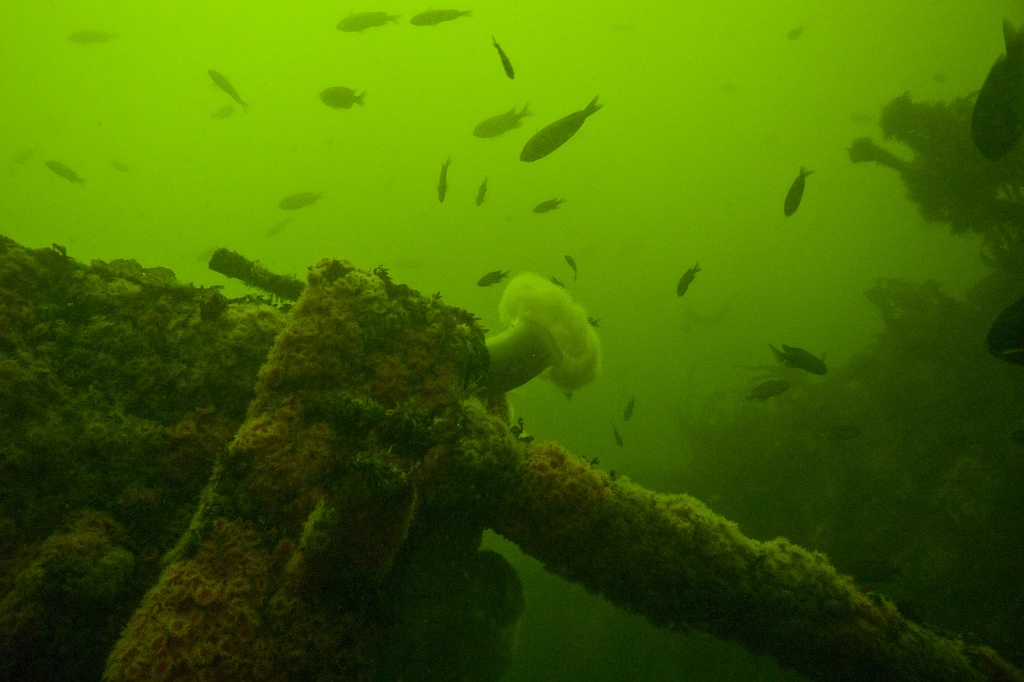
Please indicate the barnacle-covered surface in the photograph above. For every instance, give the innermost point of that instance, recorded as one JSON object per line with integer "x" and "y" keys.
{"x": 363, "y": 466}
{"x": 337, "y": 537}
{"x": 118, "y": 385}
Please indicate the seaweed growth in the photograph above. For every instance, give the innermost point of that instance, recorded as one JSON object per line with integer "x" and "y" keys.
{"x": 947, "y": 177}
{"x": 903, "y": 465}
{"x": 235, "y": 265}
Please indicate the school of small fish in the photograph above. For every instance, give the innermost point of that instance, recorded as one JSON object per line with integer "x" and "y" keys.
{"x": 997, "y": 125}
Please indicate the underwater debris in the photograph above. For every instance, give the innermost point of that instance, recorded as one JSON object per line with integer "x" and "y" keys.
{"x": 948, "y": 178}
{"x": 235, "y": 265}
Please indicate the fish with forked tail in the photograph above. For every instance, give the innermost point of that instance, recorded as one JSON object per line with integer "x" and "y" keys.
{"x": 554, "y": 135}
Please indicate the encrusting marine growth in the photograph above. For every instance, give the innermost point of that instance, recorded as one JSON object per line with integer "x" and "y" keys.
{"x": 366, "y": 463}
{"x": 338, "y": 535}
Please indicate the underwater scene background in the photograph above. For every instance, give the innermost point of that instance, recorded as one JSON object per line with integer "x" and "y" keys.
{"x": 902, "y": 464}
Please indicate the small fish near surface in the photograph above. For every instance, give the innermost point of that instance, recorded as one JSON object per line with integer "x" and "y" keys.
{"x": 768, "y": 389}
{"x": 492, "y": 278}
{"x": 224, "y": 84}
{"x": 276, "y": 228}
{"x": 505, "y": 63}
{"x": 554, "y": 135}
{"x": 224, "y": 111}
{"x": 294, "y": 202}
{"x": 594, "y": 322}
{"x": 433, "y": 17}
{"x": 1005, "y": 338}
{"x": 617, "y": 435}
{"x": 687, "y": 279}
{"x": 91, "y": 37}
{"x": 24, "y": 156}
{"x": 502, "y": 123}
{"x": 482, "y": 192}
{"x": 339, "y": 97}
{"x": 117, "y": 165}
{"x": 549, "y": 205}
{"x": 557, "y": 282}
{"x": 627, "y": 413}
{"x": 796, "y": 193}
{"x": 572, "y": 264}
{"x": 798, "y": 358}
{"x": 442, "y": 181}
{"x": 997, "y": 121}
{"x": 358, "y": 22}
{"x": 65, "y": 172}
{"x": 795, "y": 33}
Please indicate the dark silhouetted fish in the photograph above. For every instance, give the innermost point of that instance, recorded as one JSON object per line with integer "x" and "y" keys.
{"x": 442, "y": 181}
{"x": 91, "y": 37}
{"x": 434, "y": 17}
{"x": 300, "y": 200}
{"x": 557, "y": 282}
{"x": 572, "y": 264}
{"x": 505, "y": 63}
{"x": 23, "y": 157}
{"x": 798, "y": 358}
{"x": 769, "y": 389}
{"x": 618, "y": 436}
{"x": 224, "y": 111}
{"x": 117, "y": 165}
{"x": 339, "y": 97}
{"x": 276, "y": 228}
{"x": 687, "y": 279}
{"x": 482, "y": 192}
{"x": 796, "y": 193}
{"x": 554, "y": 135}
{"x": 225, "y": 85}
{"x": 492, "y": 278}
{"x": 360, "y": 21}
{"x": 1005, "y": 338}
{"x": 65, "y": 172}
{"x": 795, "y": 33}
{"x": 595, "y": 322}
{"x": 997, "y": 121}
{"x": 549, "y": 205}
{"x": 627, "y": 413}
{"x": 502, "y": 123}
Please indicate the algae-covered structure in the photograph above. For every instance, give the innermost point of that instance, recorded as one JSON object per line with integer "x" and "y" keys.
{"x": 198, "y": 488}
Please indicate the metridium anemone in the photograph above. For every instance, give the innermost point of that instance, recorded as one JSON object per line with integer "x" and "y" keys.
{"x": 546, "y": 331}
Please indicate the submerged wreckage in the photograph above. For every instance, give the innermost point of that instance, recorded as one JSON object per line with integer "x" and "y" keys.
{"x": 345, "y": 469}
